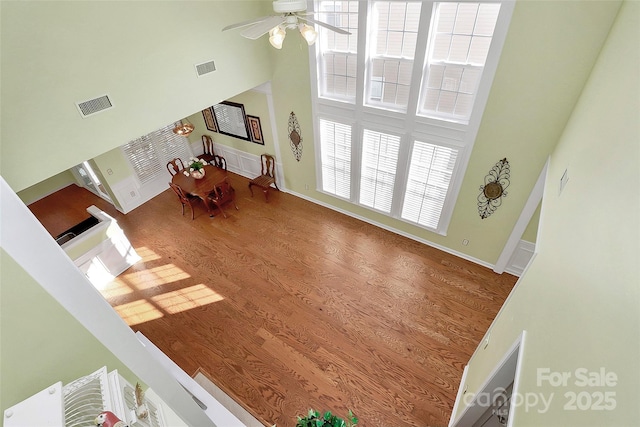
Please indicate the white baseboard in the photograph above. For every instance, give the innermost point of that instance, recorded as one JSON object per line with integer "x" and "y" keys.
{"x": 42, "y": 196}
{"x": 396, "y": 231}
{"x": 248, "y": 165}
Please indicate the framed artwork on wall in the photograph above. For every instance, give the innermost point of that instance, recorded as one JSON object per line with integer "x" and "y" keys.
{"x": 209, "y": 119}
{"x": 231, "y": 120}
{"x": 255, "y": 129}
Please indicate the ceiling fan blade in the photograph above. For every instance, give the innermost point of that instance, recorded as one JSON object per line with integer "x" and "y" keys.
{"x": 322, "y": 24}
{"x": 245, "y": 23}
{"x": 262, "y": 27}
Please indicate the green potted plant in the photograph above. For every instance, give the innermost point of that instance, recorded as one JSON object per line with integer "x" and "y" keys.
{"x": 196, "y": 168}
{"x": 314, "y": 419}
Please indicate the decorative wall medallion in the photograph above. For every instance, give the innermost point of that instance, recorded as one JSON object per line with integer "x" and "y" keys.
{"x": 295, "y": 138}
{"x": 493, "y": 190}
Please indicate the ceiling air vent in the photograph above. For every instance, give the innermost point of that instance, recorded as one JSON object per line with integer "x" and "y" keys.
{"x": 205, "y": 68}
{"x": 95, "y": 105}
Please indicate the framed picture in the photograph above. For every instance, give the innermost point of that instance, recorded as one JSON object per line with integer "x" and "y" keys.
{"x": 255, "y": 129}
{"x": 210, "y": 119}
{"x": 231, "y": 120}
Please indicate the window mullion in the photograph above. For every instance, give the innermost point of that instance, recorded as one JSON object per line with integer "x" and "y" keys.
{"x": 402, "y": 171}
{"x": 446, "y": 90}
{"x": 356, "y": 161}
{"x": 363, "y": 14}
{"x": 419, "y": 61}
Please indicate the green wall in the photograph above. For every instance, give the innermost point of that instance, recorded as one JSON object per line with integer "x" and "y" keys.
{"x": 141, "y": 54}
{"x": 46, "y": 187}
{"x": 579, "y": 299}
{"x": 537, "y": 83}
{"x": 538, "y": 80}
{"x": 41, "y": 342}
{"x": 292, "y": 93}
{"x": 255, "y": 104}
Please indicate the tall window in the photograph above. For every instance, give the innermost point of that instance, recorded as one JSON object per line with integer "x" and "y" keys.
{"x": 458, "y": 47}
{"x": 150, "y": 153}
{"x": 378, "y": 172}
{"x": 339, "y": 54}
{"x": 414, "y": 77}
{"x": 393, "y": 43}
{"x": 428, "y": 181}
{"x": 336, "y": 158}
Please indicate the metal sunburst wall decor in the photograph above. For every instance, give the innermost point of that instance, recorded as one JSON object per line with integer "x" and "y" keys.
{"x": 295, "y": 138}
{"x": 494, "y": 188}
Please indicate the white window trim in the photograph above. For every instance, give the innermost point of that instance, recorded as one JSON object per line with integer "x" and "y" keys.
{"x": 482, "y": 96}
{"x": 319, "y": 188}
{"x": 441, "y": 131}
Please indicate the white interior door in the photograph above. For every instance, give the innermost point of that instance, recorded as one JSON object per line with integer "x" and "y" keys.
{"x": 90, "y": 180}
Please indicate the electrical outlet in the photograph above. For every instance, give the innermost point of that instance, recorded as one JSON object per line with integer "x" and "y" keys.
{"x": 306, "y": 186}
{"x": 485, "y": 343}
{"x": 465, "y": 242}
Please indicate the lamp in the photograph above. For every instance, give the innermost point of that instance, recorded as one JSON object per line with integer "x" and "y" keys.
{"x": 276, "y": 37}
{"x": 278, "y": 33}
{"x": 184, "y": 128}
{"x": 309, "y": 34}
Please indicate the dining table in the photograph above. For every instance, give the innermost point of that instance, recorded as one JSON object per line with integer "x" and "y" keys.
{"x": 201, "y": 187}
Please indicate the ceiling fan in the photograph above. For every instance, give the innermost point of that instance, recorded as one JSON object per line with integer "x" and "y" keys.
{"x": 289, "y": 14}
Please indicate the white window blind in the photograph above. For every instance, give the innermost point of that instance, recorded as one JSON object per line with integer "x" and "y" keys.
{"x": 424, "y": 65}
{"x": 171, "y": 145}
{"x": 458, "y": 47}
{"x": 144, "y": 158}
{"x": 338, "y": 53}
{"x": 392, "y": 49}
{"x": 335, "y": 140}
{"x": 378, "y": 172}
{"x": 150, "y": 153}
{"x": 428, "y": 181}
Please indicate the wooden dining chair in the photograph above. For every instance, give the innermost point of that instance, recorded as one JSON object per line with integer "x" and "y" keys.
{"x": 175, "y": 166}
{"x": 207, "y": 149}
{"x": 267, "y": 176}
{"x": 185, "y": 199}
{"x": 223, "y": 193}
{"x": 219, "y": 162}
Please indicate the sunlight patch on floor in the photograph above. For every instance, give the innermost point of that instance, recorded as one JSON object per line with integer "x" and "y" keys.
{"x": 147, "y": 254}
{"x": 150, "y": 280}
{"x": 186, "y": 299}
{"x": 139, "y": 311}
{"x": 116, "y": 288}
{"x": 157, "y": 276}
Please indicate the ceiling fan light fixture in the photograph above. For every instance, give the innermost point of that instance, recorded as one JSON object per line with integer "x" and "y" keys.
{"x": 276, "y": 37}
{"x": 184, "y": 128}
{"x": 309, "y": 33}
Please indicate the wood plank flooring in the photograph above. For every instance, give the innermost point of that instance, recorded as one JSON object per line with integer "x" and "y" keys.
{"x": 291, "y": 306}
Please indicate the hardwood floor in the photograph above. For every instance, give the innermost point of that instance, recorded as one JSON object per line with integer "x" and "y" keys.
{"x": 291, "y": 306}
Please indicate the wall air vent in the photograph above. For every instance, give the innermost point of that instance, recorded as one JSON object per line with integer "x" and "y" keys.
{"x": 95, "y": 105}
{"x": 205, "y": 68}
